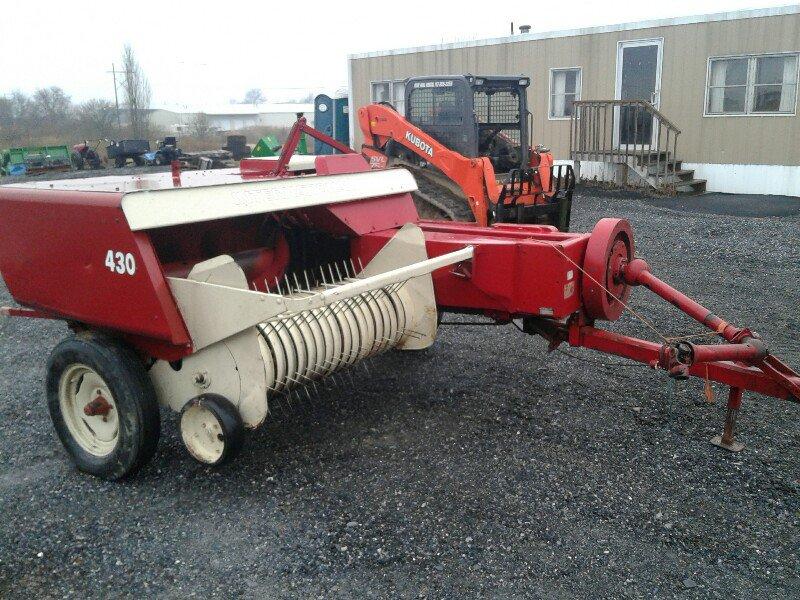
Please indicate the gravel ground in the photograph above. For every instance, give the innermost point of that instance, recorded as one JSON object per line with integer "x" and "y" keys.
{"x": 737, "y": 205}
{"x": 482, "y": 467}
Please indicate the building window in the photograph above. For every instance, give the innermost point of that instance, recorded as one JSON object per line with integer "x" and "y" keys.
{"x": 565, "y": 88}
{"x": 390, "y": 91}
{"x": 744, "y": 85}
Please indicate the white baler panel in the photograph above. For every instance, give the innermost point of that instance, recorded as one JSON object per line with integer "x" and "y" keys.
{"x": 250, "y": 345}
{"x": 297, "y": 162}
{"x": 213, "y": 312}
{"x": 150, "y": 209}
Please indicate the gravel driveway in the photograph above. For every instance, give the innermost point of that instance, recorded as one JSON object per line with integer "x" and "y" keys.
{"x": 482, "y": 467}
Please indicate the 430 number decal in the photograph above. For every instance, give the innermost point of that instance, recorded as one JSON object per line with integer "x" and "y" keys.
{"x": 122, "y": 263}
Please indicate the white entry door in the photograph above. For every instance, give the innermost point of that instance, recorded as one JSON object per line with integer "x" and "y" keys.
{"x": 638, "y": 78}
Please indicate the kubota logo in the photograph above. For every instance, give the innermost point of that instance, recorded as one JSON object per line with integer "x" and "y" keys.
{"x": 424, "y": 146}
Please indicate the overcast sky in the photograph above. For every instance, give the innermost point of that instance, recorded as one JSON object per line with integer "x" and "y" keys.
{"x": 204, "y": 53}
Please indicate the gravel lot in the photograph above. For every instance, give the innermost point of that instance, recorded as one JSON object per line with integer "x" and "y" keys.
{"x": 482, "y": 467}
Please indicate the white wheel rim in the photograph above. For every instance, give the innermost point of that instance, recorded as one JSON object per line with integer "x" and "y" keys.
{"x": 202, "y": 434}
{"x": 79, "y": 387}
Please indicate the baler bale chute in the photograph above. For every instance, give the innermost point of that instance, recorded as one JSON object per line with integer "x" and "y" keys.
{"x": 219, "y": 293}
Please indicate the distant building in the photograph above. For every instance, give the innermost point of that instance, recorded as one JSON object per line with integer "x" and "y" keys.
{"x": 723, "y": 85}
{"x": 231, "y": 117}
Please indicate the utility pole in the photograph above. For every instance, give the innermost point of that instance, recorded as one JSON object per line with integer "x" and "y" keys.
{"x": 116, "y": 100}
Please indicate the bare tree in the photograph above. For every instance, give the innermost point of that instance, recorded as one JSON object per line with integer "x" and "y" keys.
{"x": 96, "y": 119}
{"x": 200, "y": 126}
{"x": 48, "y": 116}
{"x": 53, "y": 111}
{"x": 136, "y": 93}
{"x": 7, "y": 121}
{"x": 18, "y": 120}
{"x": 254, "y": 96}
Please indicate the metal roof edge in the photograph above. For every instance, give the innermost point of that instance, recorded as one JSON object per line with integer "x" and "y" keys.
{"x": 773, "y": 11}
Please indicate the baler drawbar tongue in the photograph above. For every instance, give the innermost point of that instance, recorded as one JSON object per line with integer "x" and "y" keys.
{"x": 743, "y": 347}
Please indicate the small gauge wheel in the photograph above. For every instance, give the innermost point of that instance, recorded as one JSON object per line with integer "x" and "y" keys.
{"x": 212, "y": 429}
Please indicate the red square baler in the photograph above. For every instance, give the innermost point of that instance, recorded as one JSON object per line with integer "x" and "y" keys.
{"x": 213, "y": 292}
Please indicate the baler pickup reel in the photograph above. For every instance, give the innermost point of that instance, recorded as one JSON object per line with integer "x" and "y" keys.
{"x": 300, "y": 333}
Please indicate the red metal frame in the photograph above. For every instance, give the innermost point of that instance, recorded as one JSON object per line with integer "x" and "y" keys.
{"x": 29, "y": 313}
{"x": 524, "y": 271}
{"x": 650, "y": 353}
{"x": 516, "y": 269}
{"x": 293, "y": 139}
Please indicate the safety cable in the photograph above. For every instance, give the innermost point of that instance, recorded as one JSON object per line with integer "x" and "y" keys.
{"x": 647, "y": 323}
{"x": 664, "y": 338}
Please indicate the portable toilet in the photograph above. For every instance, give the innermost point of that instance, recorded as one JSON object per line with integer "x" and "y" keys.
{"x": 331, "y": 117}
{"x": 341, "y": 120}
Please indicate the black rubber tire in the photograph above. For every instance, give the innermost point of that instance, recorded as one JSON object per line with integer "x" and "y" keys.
{"x": 138, "y": 161}
{"x": 120, "y": 162}
{"x": 125, "y": 375}
{"x": 229, "y": 419}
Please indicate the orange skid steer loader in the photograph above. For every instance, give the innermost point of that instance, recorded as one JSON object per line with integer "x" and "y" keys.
{"x": 466, "y": 139}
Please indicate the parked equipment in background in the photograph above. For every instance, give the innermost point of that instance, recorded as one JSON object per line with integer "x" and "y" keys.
{"x": 221, "y": 295}
{"x": 237, "y": 146}
{"x": 466, "y": 139}
{"x": 331, "y": 117}
{"x": 167, "y": 152}
{"x": 207, "y": 159}
{"x": 120, "y": 152}
{"x": 266, "y": 146}
{"x": 11, "y": 164}
{"x": 32, "y": 160}
{"x": 270, "y": 146}
{"x": 85, "y": 156}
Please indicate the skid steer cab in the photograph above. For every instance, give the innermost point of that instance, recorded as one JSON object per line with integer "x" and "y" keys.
{"x": 475, "y": 116}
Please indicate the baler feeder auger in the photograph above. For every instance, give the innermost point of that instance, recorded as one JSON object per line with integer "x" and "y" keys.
{"x": 218, "y": 293}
